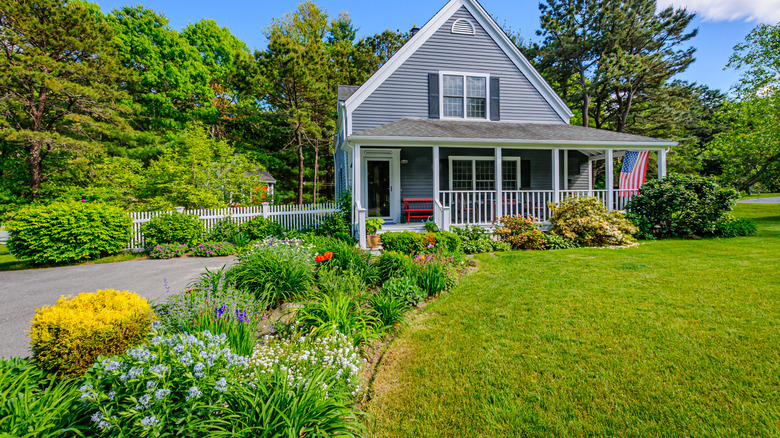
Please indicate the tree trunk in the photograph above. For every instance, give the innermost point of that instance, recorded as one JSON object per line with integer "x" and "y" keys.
{"x": 316, "y": 167}
{"x": 36, "y": 168}
{"x": 623, "y": 116}
{"x": 300, "y": 166}
{"x": 585, "y": 96}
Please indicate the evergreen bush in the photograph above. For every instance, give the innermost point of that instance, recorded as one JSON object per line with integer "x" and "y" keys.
{"x": 185, "y": 229}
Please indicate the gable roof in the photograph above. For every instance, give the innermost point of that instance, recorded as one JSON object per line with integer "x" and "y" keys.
{"x": 473, "y": 132}
{"x": 345, "y": 91}
{"x": 492, "y": 29}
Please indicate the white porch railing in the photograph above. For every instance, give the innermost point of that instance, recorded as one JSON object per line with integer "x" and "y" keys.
{"x": 289, "y": 216}
{"x": 441, "y": 215}
{"x": 478, "y": 207}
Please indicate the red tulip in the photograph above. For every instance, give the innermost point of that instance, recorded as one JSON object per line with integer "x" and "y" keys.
{"x": 328, "y": 255}
{"x": 319, "y": 258}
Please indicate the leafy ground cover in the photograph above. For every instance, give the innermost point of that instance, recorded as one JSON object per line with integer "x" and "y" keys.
{"x": 672, "y": 338}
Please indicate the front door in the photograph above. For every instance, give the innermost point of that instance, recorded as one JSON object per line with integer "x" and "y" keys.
{"x": 381, "y": 174}
{"x": 378, "y": 186}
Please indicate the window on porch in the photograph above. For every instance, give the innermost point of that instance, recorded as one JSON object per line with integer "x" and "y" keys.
{"x": 479, "y": 173}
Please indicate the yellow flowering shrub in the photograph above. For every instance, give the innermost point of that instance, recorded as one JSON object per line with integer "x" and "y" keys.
{"x": 68, "y": 337}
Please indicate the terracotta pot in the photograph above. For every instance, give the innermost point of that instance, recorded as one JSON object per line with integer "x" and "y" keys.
{"x": 373, "y": 242}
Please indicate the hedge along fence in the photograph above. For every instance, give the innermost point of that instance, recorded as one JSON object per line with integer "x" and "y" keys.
{"x": 295, "y": 217}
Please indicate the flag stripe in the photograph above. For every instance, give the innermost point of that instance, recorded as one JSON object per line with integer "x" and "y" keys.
{"x": 633, "y": 172}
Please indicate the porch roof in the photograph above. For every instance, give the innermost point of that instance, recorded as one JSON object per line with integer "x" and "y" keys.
{"x": 466, "y": 131}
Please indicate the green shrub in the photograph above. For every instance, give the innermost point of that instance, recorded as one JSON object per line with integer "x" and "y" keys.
{"x": 224, "y": 230}
{"x": 168, "y": 250}
{"x": 404, "y": 288}
{"x": 213, "y": 249}
{"x": 521, "y": 232}
{"x": 474, "y": 239}
{"x": 554, "y": 241}
{"x": 680, "y": 205}
{"x": 393, "y": 264}
{"x": 449, "y": 241}
{"x": 259, "y": 228}
{"x": 175, "y": 227}
{"x": 67, "y": 232}
{"x": 33, "y": 404}
{"x": 500, "y": 245}
{"x": 431, "y": 227}
{"x": 730, "y": 226}
{"x": 406, "y": 242}
{"x": 586, "y": 221}
{"x": 69, "y": 336}
{"x": 167, "y": 387}
{"x": 335, "y": 226}
{"x": 389, "y": 310}
{"x": 325, "y": 315}
{"x": 277, "y": 269}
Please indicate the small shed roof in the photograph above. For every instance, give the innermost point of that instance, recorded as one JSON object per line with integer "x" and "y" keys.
{"x": 264, "y": 176}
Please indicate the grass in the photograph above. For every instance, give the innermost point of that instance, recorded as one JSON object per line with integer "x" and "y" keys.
{"x": 760, "y": 195}
{"x": 673, "y": 338}
{"x": 11, "y": 263}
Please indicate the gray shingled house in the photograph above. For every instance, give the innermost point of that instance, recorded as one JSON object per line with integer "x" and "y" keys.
{"x": 459, "y": 126}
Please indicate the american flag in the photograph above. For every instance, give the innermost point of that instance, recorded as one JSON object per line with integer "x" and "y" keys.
{"x": 633, "y": 172}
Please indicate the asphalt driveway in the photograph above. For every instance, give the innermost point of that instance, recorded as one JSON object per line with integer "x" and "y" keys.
{"x": 770, "y": 200}
{"x": 21, "y": 292}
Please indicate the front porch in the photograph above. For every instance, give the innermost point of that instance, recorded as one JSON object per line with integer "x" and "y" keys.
{"x": 477, "y": 185}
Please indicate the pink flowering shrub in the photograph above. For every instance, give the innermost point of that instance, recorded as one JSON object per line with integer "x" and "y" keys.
{"x": 213, "y": 249}
{"x": 168, "y": 251}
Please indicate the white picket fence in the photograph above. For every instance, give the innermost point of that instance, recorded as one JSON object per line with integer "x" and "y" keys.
{"x": 295, "y": 217}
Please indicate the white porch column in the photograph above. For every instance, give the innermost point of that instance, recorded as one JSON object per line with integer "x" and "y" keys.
{"x": 556, "y": 167}
{"x": 661, "y": 163}
{"x": 565, "y": 169}
{"x": 436, "y": 170}
{"x": 355, "y": 181}
{"x": 608, "y": 178}
{"x": 590, "y": 177}
{"x": 499, "y": 176}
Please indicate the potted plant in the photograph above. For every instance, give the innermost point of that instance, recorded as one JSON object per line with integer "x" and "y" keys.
{"x": 373, "y": 225}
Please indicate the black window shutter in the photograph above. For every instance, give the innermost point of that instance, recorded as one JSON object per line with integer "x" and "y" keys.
{"x": 495, "y": 99}
{"x": 525, "y": 174}
{"x": 433, "y": 95}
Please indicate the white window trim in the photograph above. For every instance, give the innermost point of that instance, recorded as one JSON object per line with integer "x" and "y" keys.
{"x": 473, "y": 160}
{"x": 465, "y": 98}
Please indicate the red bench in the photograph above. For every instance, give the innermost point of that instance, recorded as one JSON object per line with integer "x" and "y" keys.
{"x": 417, "y": 205}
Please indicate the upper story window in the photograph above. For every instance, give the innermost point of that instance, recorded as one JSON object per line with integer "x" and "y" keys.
{"x": 464, "y": 94}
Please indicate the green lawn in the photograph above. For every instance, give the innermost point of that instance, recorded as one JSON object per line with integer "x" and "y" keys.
{"x": 11, "y": 263}
{"x": 673, "y": 338}
{"x": 760, "y": 195}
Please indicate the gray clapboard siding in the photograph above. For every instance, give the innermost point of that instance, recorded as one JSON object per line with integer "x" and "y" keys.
{"x": 417, "y": 174}
{"x": 540, "y": 160}
{"x": 405, "y": 93}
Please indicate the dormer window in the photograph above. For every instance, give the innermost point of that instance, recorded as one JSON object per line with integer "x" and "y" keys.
{"x": 464, "y": 94}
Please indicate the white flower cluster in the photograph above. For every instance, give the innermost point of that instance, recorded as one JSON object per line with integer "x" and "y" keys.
{"x": 299, "y": 357}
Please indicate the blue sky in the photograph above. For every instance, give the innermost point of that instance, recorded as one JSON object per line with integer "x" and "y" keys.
{"x": 721, "y": 23}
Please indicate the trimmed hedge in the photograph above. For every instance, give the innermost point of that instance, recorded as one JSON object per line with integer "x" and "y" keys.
{"x": 70, "y": 336}
{"x": 67, "y": 232}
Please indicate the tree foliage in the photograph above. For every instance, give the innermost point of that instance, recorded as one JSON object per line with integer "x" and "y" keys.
{"x": 604, "y": 56}
{"x": 58, "y": 94}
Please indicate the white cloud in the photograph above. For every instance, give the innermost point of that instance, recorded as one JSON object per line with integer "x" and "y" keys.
{"x": 763, "y": 11}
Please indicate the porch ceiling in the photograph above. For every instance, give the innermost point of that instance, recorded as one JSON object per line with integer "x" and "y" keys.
{"x": 414, "y": 130}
